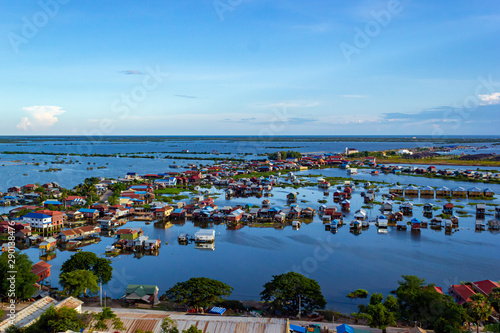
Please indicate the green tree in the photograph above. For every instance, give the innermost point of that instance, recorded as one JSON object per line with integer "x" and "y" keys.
{"x": 421, "y": 303}
{"x": 77, "y": 282}
{"x": 359, "y": 293}
{"x": 101, "y": 267}
{"x": 103, "y": 316}
{"x": 57, "y": 320}
{"x": 479, "y": 309}
{"x": 192, "y": 329}
{"x": 168, "y": 325}
{"x": 494, "y": 299}
{"x": 198, "y": 292}
{"x": 24, "y": 280}
{"x": 378, "y": 315}
{"x": 23, "y": 212}
{"x": 287, "y": 290}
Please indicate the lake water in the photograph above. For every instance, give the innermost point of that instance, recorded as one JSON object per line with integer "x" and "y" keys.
{"x": 249, "y": 257}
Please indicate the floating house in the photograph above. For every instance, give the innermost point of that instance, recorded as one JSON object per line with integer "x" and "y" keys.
{"x": 266, "y": 203}
{"x": 459, "y": 192}
{"x": 291, "y": 197}
{"x": 411, "y": 190}
{"x": 334, "y": 225}
{"x": 416, "y": 224}
{"x": 396, "y": 190}
{"x": 406, "y": 208}
{"x": 488, "y": 192}
{"x": 427, "y": 191}
{"x": 448, "y": 208}
{"x": 428, "y": 208}
{"x": 204, "y": 236}
{"x": 346, "y": 205}
{"x": 475, "y": 192}
{"x": 436, "y": 222}
{"x": 480, "y": 209}
{"x": 386, "y": 207}
{"x": 382, "y": 221}
{"x": 308, "y": 212}
{"x": 360, "y": 215}
{"x": 443, "y": 191}
{"x": 79, "y": 233}
{"x": 296, "y": 224}
{"x": 355, "y": 225}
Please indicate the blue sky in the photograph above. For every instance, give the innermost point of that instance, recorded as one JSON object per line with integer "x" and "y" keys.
{"x": 250, "y": 67}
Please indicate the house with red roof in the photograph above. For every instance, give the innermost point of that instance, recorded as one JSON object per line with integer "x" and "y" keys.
{"x": 461, "y": 293}
{"x": 484, "y": 287}
{"x": 57, "y": 217}
{"x": 42, "y": 270}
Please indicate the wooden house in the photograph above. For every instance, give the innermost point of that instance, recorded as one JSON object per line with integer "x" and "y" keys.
{"x": 416, "y": 224}
{"x": 360, "y": 215}
{"x": 308, "y": 212}
{"x": 436, "y": 222}
{"x": 89, "y": 213}
{"x": 382, "y": 221}
{"x": 346, "y": 205}
{"x": 488, "y": 192}
{"x": 475, "y": 192}
{"x": 406, "y": 208}
{"x": 338, "y": 196}
{"x": 428, "y": 208}
{"x": 443, "y": 191}
{"x": 427, "y": 191}
{"x": 79, "y": 233}
{"x": 459, "y": 192}
{"x": 291, "y": 197}
{"x": 47, "y": 246}
{"x": 355, "y": 225}
{"x": 266, "y": 203}
{"x": 448, "y": 208}
{"x": 396, "y": 190}
{"x": 386, "y": 207}
{"x": 411, "y": 191}
{"x": 480, "y": 209}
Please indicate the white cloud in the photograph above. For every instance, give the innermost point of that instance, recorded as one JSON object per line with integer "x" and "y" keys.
{"x": 40, "y": 117}
{"x": 491, "y": 99}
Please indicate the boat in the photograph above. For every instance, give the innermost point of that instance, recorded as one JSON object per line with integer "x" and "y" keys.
{"x": 296, "y": 224}
{"x": 183, "y": 238}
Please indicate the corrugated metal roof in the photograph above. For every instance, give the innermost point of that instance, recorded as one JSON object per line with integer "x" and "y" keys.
{"x": 212, "y": 324}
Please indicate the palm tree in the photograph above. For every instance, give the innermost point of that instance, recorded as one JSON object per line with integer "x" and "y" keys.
{"x": 480, "y": 309}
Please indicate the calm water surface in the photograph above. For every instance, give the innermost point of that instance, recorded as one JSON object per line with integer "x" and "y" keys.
{"x": 247, "y": 258}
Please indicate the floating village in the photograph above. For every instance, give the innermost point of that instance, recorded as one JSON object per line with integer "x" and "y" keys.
{"x": 49, "y": 217}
